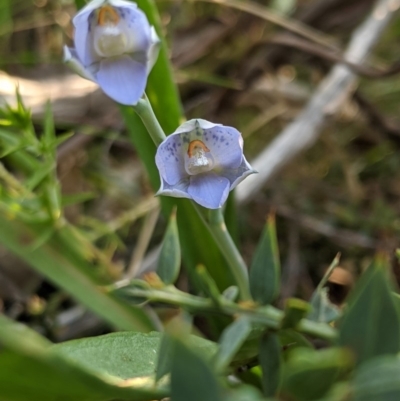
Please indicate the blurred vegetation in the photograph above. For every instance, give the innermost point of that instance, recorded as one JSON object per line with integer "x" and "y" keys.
{"x": 343, "y": 195}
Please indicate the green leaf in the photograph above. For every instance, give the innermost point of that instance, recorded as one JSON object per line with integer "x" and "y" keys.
{"x": 164, "y": 362}
{"x": 309, "y": 374}
{"x": 30, "y": 369}
{"x": 125, "y": 354}
{"x": 271, "y": 363}
{"x": 232, "y": 338}
{"x": 377, "y": 380}
{"x": 245, "y": 393}
{"x": 370, "y": 325}
{"x": 295, "y": 310}
{"x": 169, "y": 260}
{"x": 207, "y": 284}
{"x": 231, "y": 293}
{"x": 265, "y": 267}
{"x": 49, "y": 135}
{"x": 191, "y": 377}
{"x": 290, "y": 339}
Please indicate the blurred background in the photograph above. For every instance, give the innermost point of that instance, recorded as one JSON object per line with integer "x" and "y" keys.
{"x": 340, "y": 195}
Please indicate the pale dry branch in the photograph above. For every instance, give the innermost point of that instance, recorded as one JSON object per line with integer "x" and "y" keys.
{"x": 326, "y": 101}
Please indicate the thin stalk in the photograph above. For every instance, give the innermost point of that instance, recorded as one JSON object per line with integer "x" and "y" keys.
{"x": 238, "y": 268}
{"x": 145, "y": 112}
{"x": 270, "y": 316}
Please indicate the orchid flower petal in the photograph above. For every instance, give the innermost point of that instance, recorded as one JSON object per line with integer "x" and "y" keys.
{"x": 225, "y": 146}
{"x": 135, "y": 25}
{"x": 123, "y": 79}
{"x": 82, "y": 37}
{"x": 209, "y": 189}
{"x": 72, "y": 60}
{"x": 153, "y": 50}
{"x": 202, "y": 161}
{"x": 237, "y": 175}
{"x": 170, "y": 159}
{"x": 179, "y": 190}
{"x": 191, "y": 125}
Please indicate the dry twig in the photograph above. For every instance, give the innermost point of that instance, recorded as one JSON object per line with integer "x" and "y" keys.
{"x": 327, "y": 99}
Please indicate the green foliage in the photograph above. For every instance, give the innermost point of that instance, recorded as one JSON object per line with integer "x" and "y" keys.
{"x": 33, "y": 227}
{"x": 309, "y": 374}
{"x": 30, "y": 369}
{"x": 191, "y": 377}
{"x": 126, "y": 354}
{"x": 370, "y": 326}
{"x": 377, "y": 380}
{"x": 232, "y": 338}
{"x": 271, "y": 363}
{"x": 265, "y": 267}
{"x": 295, "y": 311}
{"x": 169, "y": 260}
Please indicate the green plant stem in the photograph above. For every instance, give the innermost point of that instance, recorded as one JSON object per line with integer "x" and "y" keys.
{"x": 270, "y": 316}
{"x": 228, "y": 248}
{"x": 146, "y": 114}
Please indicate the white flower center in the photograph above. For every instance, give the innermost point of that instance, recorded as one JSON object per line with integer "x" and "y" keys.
{"x": 199, "y": 158}
{"x": 108, "y": 37}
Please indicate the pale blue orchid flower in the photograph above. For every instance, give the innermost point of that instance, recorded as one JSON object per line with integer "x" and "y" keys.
{"x": 115, "y": 46}
{"x": 202, "y": 161}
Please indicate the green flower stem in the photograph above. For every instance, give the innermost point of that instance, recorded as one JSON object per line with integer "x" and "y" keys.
{"x": 215, "y": 224}
{"x": 145, "y": 112}
{"x": 217, "y": 227}
{"x": 270, "y": 316}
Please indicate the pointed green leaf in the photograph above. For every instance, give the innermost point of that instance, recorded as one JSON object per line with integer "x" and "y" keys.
{"x": 371, "y": 323}
{"x": 270, "y": 358}
{"x": 377, "y": 380}
{"x": 232, "y": 338}
{"x": 207, "y": 284}
{"x": 309, "y": 374}
{"x": 231, "y": 293}
{"x": 49, "y": 135}
{"x": 169, "y": 261}
{"x": 164, "y": 361}
{"x": 265, "y": 267}
{"x": 191, "y": 377}
{"x": 295, "y": 310}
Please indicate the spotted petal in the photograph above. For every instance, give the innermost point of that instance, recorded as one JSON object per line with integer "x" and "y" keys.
{"x": 225, "y": 144}
{"x": 82, "y": 37}
{"x": 170, "y": 160}
{"x": 123, "y": 79}
{"x": 209, "y": 189}
{"x": 134, "y": 24}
